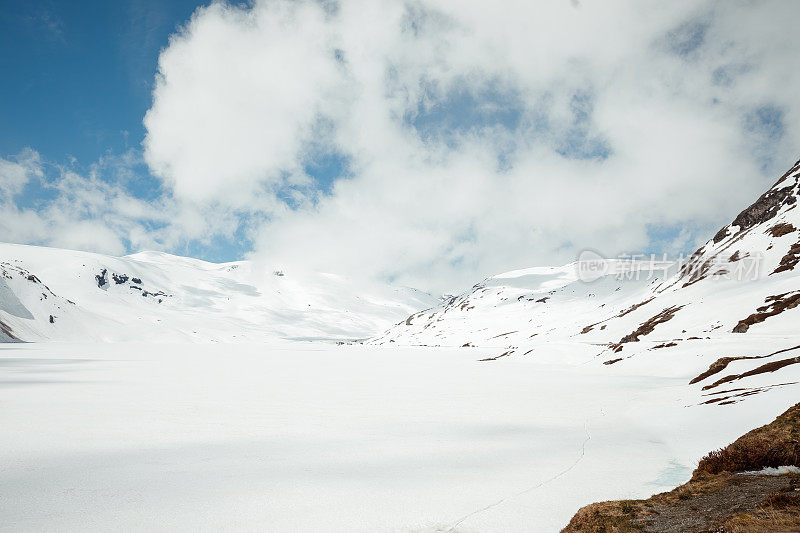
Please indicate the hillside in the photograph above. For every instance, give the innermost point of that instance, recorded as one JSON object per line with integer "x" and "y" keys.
{"x": 744, "y": 278}
{"x": 53, "y": 294}
{"x": 750, "y": 486}
{"x": 729, "y": 311}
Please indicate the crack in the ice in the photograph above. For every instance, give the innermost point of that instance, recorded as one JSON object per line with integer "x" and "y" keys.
{"x": 529, "y": 489}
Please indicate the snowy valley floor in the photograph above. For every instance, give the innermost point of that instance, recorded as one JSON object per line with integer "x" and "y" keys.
{"x": 318, "y": 437}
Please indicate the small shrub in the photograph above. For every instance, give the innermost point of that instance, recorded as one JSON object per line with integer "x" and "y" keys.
{"x": 782, "y": 500}
{"x": 751, "y": 455}
{"x": 776, "y": 444}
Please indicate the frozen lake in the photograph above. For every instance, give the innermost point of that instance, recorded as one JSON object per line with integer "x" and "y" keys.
{"x": 316, "y": 437}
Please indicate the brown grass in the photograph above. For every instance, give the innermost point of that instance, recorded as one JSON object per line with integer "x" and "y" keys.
{"x": 783, "y": 500}
{"x": 779, "y": 512}
{"x": 773, "y": 445}
{"x": 650, "y": 324}
{"x": 763, "y": 369}
{"x": 722, "y": 363}
{"x": 606, "y": 517}
{"x": 781, "y": 229}
{"x": 634, "y": 307}
{"x": 665, "y": 345}
{"x": 790, "y": 260}
{"x": 718, "y": 366}
{"x": 775, "y": 306}
{"x": 763, "y": 521}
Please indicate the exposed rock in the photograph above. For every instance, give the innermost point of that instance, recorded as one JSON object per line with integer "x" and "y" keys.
{"x": 496, "y": 357}
{"x": 649, "y": 325}
{"x": 665, "y": 345}
{"x": 722, "y": 363}
{"x": 765, "y": 208}
{"x": 790, "y": 260}
{"x": 721, "y": 234}
{"x": 775, "y": 306}
{"x": 763, "y": 369}
{"x": 741, "y": 327}
{"x": 102, "y": 279}
{"x": 781, "y": 229}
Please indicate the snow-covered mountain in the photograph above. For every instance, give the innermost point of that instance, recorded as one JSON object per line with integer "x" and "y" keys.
{"x": 740, "y": 290}
{"x": 52, "y": 294}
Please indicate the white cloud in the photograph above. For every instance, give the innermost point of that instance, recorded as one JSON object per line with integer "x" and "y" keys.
{"x": 94, "y": 211}
{"x": 238, "y": 94}
{"x": 14, "y": 175}
{"x": 586, "y": 125}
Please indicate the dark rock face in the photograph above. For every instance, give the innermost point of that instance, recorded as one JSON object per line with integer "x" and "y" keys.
{"x": 741, "y": 327}
{"x": 721, "y": 234}
{"x": 794, "y": 168}
{"x": 765, "y": 208}
{"x": 156, "y": 294}
{"x": 102, "y": 278}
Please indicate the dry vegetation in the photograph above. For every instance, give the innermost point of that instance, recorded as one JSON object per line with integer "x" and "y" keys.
{"x": 781, "y": 229}
{"x": 719, "y": 365}
{"x": 763, "y": 369}
{"x": 649, "y": 325}
{"x": 722, "y": 363}
{"x": 717, "y": 499}
{"x": 790, "y": 260}
{"x": 775, "y": 306}
{"x": 773, "y": 445}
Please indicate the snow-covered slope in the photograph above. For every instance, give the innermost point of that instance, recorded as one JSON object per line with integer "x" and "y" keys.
{"x": 52, "y": 294}
{"x": 740, "y": 289}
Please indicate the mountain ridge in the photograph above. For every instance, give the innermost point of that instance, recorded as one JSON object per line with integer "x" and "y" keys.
{"x": 734, "y": 299}
{"x": 163, "y": 297}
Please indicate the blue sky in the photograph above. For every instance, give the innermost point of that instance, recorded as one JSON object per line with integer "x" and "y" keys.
{"x": 430, "y": 142}
{"x": 81, "y": 79}
{"x": 79, "y": 74}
